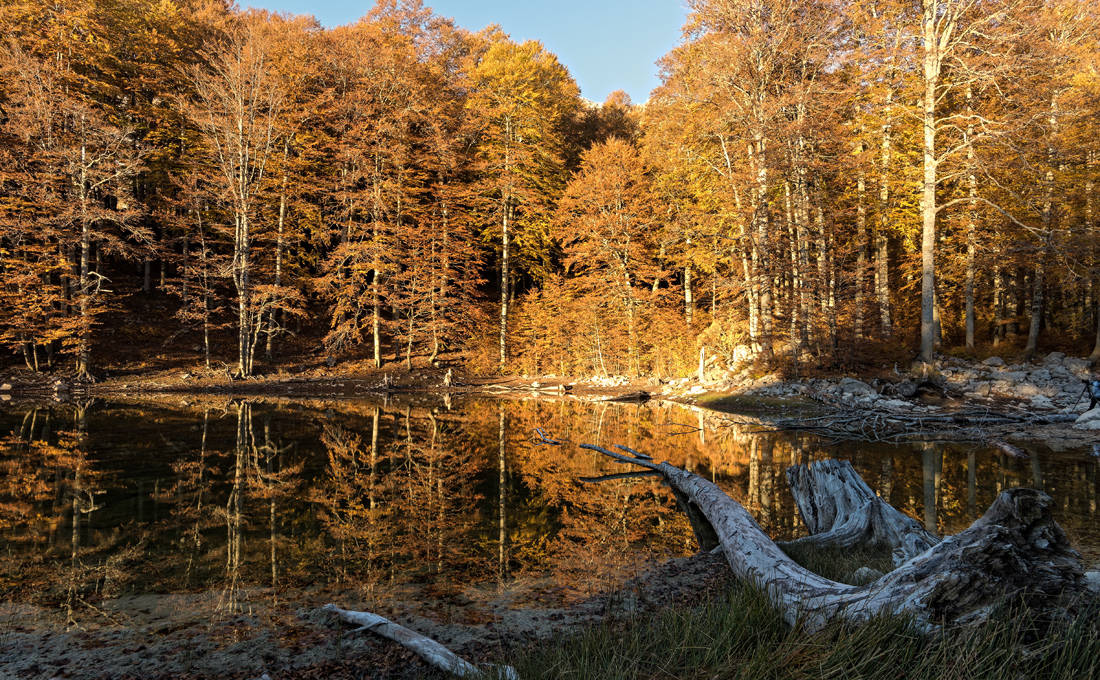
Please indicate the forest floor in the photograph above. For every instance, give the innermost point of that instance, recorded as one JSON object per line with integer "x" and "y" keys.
{"x": 287, "y": 636}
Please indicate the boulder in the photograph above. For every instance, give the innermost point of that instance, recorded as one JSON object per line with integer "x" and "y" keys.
{"x": 1025, "y": 390}
{"x": 1061, "y": 373}
{"x": 857, "y": 388}
{"x": 741, "y": 354}
{"x": 982, "y": 390}
{"x": 906, "y": 389}
{"x": 1039, "y": 376}
{"x": 1089, "y": 420}
{"x": 1078, "y": 367}
{"x": 1040, "y": 401}
{"x": 994, "y": 361}
{"x": 1054, "y": 359}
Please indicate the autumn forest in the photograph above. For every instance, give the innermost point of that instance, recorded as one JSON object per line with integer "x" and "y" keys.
{"x": 814, "y": 180}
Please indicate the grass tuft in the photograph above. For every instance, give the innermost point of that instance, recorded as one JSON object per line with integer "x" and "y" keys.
{"x": 740, "y": 634}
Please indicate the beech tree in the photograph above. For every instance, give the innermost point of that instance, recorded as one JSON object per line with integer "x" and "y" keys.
{"x": 236, "y": 107}
{"x": 75, "y": 159}
{"x": 522, "y": 98}
{"x": 606, "y": 225}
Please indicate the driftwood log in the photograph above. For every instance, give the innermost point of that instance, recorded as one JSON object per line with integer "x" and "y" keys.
{"x": 841, "y": 511}
{"x": 1014, "y": 550}
{"x": 428, "y": 649}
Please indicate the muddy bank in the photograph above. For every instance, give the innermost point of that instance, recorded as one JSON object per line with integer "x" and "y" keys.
{"x": 287, "y": 636}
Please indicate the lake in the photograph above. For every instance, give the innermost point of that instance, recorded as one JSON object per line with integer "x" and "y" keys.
{"x": 447, "y": 505}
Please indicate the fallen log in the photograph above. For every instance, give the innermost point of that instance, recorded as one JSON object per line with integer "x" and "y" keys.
{"x": 1014, "y": 550}
{"x": 428, "y": 649}
{"x": 841, "y": 511}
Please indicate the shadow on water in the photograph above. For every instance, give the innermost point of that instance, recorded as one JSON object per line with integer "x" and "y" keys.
{"x": 448, "y": 505}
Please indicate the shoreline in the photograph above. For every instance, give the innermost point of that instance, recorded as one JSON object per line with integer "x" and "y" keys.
{"x": 1050, "y": 389}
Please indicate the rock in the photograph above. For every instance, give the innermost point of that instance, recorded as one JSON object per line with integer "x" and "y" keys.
{"x": 906, "y": 389}
{"x": 1039, "y": 376}
{"x": 1061, "y": 373}
{"x": 983, "y": 389}
{"x": 741, "y": 354}
{"x": 1078, "y": 367}
{"x": 1025, "y": 390}
{"x": 1092, "y": 581}
{"x": 865, "y": 575}
{"x": 1089, "y": 420}
{"x": 1054, "y": 359}
{"x": 1040, "y": 401}
{"x": 994, "y": 361}
{"x": 857, "y": 388}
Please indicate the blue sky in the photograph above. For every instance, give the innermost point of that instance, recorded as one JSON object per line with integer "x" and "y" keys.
{"x": 607, "y": 45}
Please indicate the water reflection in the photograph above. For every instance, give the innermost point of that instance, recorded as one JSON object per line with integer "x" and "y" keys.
{"x": 418, "y": 500}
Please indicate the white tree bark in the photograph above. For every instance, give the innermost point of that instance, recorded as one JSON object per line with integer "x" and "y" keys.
{"x": 1015, "y": 549}
{"x": 841, "y": 511}
{"x": 428, "y": 649}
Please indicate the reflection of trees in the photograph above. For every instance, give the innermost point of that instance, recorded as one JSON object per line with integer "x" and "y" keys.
{"x": 193, "y": 475}
{"x": 377, "y": 494}
{"x": 49, "y": 493}
{"x": 257, "y": 473}
{"x": 401, "y": 505}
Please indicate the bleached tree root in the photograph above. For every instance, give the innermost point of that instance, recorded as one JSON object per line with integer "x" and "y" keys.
{"x": 428, "y": 649}
{"x": 1014, "y": 550}
{"x": 841, "y": 511}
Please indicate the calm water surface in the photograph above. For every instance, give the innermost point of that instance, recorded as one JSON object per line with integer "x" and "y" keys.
{"x": 421, "y": 501}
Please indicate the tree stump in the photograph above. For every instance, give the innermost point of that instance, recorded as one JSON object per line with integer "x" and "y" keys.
{"x": 841, "y": 511}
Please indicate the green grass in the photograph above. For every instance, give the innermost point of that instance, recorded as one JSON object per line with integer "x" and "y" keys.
{"x": 739, "y": 634}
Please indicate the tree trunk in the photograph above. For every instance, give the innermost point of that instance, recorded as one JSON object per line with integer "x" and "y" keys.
{"x": 841, "y": 511}
{"x": 972, "y": 193}
{"x": 84, "y": 351}
{"x": 244, "y": 336}
{"x": 1037, "y": 285}
{"x": 689, "y": 302}
{"x": 505, "y": 272}
{"x": 1014, "y": 549}
{"x": 429, "y": 650}
{"x": 928, "y": 194}
{"x": 1095, "y": 356}
{"x": 861, "y": 244}
{"x": 882, "y": 252}
{"x": 280, "y": 224}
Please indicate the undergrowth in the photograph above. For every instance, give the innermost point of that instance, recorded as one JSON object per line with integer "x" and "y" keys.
{"x": 740, "y": 634}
